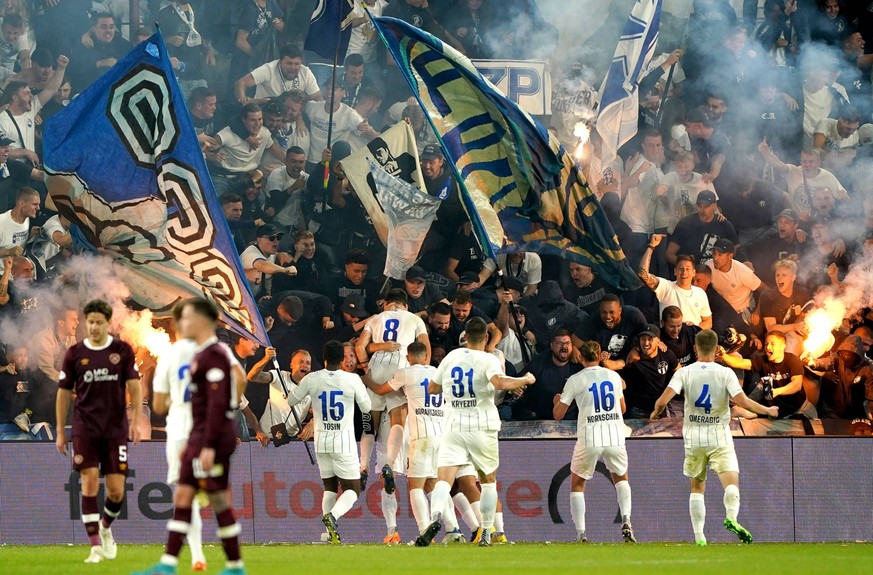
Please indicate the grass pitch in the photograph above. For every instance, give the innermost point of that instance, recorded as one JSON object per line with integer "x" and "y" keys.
{"x": 521, "y": 559}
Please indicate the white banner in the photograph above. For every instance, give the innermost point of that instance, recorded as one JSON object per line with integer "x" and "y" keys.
{"x": 396, "y": 152}
{"x": 410, "y": 213}
{"x": 525, "y": 82}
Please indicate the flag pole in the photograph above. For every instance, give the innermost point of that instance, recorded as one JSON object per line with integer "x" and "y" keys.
{"x": 294, "y": 413}
{"x": 336, "y": 56}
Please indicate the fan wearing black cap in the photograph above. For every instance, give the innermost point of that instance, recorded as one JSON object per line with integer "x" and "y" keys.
{"x": 349, "y": 319}
{"x": 734, "y": 280}
{"x": 696, "y": 234}
{"x": 649, "y": 375}
{"x": 710, "y": 145}
{"x": 260, "y": 259}
{"x": 421, "y": 294}
{"x": 781, "y": 241}
{"x": 451, "y": 217}
{"x": 548, "y": 311}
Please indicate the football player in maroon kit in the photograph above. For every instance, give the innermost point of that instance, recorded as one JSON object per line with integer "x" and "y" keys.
{"x": 206, "y": 460}
{"x": 99, "y": 370}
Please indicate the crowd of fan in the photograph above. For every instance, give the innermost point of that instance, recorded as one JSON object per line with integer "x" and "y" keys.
{"x": 745, "y": 196}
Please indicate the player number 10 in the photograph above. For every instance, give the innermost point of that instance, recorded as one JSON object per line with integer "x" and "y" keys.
{"x": 604, "y": 398}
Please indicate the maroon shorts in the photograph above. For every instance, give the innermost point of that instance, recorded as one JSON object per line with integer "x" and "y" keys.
{"x": 107, "y": 453}
{"x": 216, "y": 479}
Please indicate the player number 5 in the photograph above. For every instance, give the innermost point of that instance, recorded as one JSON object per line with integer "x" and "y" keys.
{"x": 122, "y": 453}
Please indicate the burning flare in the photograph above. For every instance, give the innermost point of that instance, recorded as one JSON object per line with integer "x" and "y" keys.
{"x": 583, "y": 132}
{"x": 137, "y": 330}
{"x": 819, "y": 325}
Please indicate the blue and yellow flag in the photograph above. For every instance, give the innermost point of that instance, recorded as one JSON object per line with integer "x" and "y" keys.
{"x": 521, "y": 189}
{"x": 123, "y": 163}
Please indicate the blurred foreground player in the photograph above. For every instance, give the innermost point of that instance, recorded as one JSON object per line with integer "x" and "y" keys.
{"x": 99, "y": 369}
{"x": 172, "y": 395}
{"x": 708, "y": 389}
{"x": 205, "y": 464}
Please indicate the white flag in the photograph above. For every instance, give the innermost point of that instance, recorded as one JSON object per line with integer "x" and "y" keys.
{"x": 619, "y": 97}
{"x": 410, "y": 213}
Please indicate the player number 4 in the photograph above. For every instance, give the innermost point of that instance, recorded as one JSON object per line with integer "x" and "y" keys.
{"x": 705, "y": 400}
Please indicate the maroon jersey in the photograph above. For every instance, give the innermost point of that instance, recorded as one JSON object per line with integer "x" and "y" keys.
{"x": 213, "y": 397}
{"x": 99, "y": 377}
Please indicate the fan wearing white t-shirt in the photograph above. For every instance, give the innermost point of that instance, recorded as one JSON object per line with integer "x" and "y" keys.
{"x": 346, "y": 121}
{"x": 278, "y": 77}
{"x": 334, "y": 393}
{"x": 470, "y": 376}
{"x": 598, "y": 393}
{"x": 15, "y": 224}
{"x": 708, "y": 389}
{"x": 680, "y": 293}
{"x": 803, "y": 179}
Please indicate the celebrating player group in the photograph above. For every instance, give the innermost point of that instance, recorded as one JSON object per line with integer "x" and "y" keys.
{"x": 439, "y": 426}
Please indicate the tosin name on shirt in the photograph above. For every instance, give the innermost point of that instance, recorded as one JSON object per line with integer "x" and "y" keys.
{"x": 331, "y": 426}
{"x": 704, "y": 419}
{"x": 602, "y": 417}
{"x": 430, "y": 412}
{"x": 461, "y": 403}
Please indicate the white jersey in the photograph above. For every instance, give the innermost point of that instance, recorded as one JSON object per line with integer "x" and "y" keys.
{"x": 172, "y": 377}
{"x": 597, "y": 392}
{"x": 425, "y": 410}
{"x": 398, "y": 326}
{"x": 465, "y": 375}
{"x": 277, "y": 410}
{"x": 333, "y": 395}
{"x": 707, "y": 388}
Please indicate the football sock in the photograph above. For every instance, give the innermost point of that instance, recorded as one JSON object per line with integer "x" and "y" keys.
{"x": 367, "y": 443}
{"x": 577, "y": 511}
{"x": 489, "y": 506}
{"x": 228, "y": 532}
{"x": 418, "y": 502}
{"x": 732, "y": 502}
{"x": 439, "y": 498}
{"x": 177, "y": 529}
{"x": 344, "y": 503}
{"x": 328, "y": 500}
{"x": 476, "y": 506}
{"x": 467, "y": 514}
{"x": 395, "y": 442}
{"x": 623, "y": 494}
{"x": 111, "y": 509}
{"x": 498, "y": 522}
{"x": 91, "y": 519}
{"x": 195, "y": 534}
{"x": 450, "y": 520}
{"x": 697, "y": 508}
{"x": 389, "y": 511}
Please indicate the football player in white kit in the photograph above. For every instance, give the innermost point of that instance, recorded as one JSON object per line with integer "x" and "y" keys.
{"x": 172, "y": 396}
{"x": 334, "y": 393}
{"x": 384, "y": 340}
{"x": 471, "y": 376}
{"x": 708, "y": 389}
{"x": 598, "y": 392}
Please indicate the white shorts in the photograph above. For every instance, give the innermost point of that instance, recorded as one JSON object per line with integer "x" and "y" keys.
{"x": 175, "y": 448}
{"x": 399, "y": 464}
{"x": 422, "y": 460}
{"x": 378, "y": 401}
{"x": 585, "y": 460}
{"x": 720, "y": 459}
{"x": 383, "y": 370}
{"x": 395, "y": 399}
{"x": 342, "y": 465}
{"x": 476, "y": 447}
{"x": 466, "y": 470}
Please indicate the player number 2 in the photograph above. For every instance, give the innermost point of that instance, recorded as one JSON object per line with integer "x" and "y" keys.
{"x": 604, "y": 398}
{"x": 458, "y": 376}
{"x": 391, "y": 330}
{"x": 122, "y": 453}
{"x": 704, "y": 401}
{"x": 431, "y": 400}
{"x": 331, "y": 408}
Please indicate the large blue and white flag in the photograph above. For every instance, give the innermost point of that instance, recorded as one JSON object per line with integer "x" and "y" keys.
{"x": 619, "y": 97}
{"x": 329, "y": 26}
{"x": 123, "y": 163}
